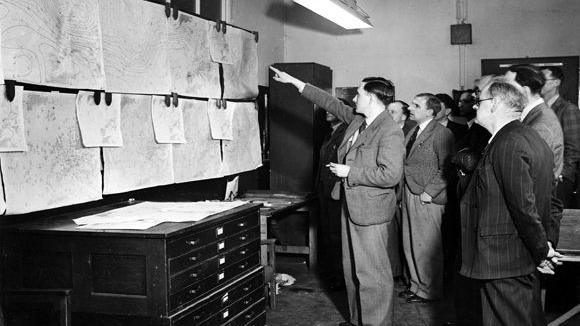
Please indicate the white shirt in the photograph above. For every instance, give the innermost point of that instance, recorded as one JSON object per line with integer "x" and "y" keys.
{"x": 498, "y": 128}
{"x": 368, "y": 120}
{"x": 422, "y": 126}
{"x": 470, "y": 123}
{"x": 530, "y": 106}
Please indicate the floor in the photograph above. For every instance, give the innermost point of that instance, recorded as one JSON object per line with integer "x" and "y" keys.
{"x": 308, "y": 303}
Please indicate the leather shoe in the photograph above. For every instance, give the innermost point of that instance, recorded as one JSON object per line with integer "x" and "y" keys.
{"x": 416, "y": 299}
{"x": 406, "y": 294}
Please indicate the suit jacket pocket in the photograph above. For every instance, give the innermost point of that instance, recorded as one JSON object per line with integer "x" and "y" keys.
{"x": 493, "y": 230}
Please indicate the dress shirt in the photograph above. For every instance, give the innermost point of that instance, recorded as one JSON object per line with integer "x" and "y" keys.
{"x": 422, "y": 126}
{"x": 529, "y": 107}
{"x": 551, "y": 101}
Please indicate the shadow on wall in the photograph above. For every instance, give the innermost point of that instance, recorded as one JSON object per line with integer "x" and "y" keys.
{"x": 295, "y": 15}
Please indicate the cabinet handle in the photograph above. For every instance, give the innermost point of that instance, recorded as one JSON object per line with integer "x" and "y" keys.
{"x": 194, "y": 275}
{"x": 193, "y": 291}
{"x": 243, "y": 252}
{"x": 243, "y": 238}
{"x": 246, "y": 289}
{"x": 246, "y": 302}
{"x": 242, "y": 266}
{"x": 249, "y": 316}
{"x": 193, "y": 258}
{"x": 192, "y": 242}
{"x": 242, "y": 224}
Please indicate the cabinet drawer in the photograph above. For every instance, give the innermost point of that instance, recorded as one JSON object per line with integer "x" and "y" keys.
{"x": 202, "y": 238}
{"x": 196, "y": 290}
{"x": 226, "y": 314}
{"x": 259, "y": 321}
{"x": 241, "y": 238}
{"x": 201, "y": 271}
{"x": 220, "y": 300}
{"x": 250, "y": 314}
{"x": 192, "y": 258}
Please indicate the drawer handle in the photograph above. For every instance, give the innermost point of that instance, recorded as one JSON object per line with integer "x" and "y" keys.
{"x": 249, "y": 316}
{"x": 243, "y": 252}
{"x": 246, "y": 289}
{"x": 246, "y": 302}
{"x": 193, "y": 258}
{"x": 242, "y": 266}
{"x": 194, "y": 275}
{"x": 243, "y": 237}
{"x": 242, "y": 224}
{"x": 192, "y": 291}
{"x": 192, "y": 242}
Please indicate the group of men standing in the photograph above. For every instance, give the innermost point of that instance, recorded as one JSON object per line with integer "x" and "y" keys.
{"x": 509, "y": 223}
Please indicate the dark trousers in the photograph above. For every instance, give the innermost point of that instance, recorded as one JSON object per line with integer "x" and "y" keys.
{"x": 565, "y": 191}
{"x": 329, "y": 239}
{"x": 507, "y": 301}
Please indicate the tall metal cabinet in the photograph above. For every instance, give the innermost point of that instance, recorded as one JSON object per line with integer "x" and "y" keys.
{"x": 297, "y": 128}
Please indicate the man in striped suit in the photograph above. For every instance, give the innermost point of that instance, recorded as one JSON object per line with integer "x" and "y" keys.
{"x": 503, "y": 239}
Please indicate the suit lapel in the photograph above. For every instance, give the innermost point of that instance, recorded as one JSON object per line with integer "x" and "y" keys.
{"x": 532, "y": 115}
{"x": 350, "y": 130}
{"x": 426, "y": 133}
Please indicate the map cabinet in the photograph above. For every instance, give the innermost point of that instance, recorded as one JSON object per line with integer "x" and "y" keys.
{"x": 195, "y": 273}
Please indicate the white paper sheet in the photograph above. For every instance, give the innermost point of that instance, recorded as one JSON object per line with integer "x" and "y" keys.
{"x": 56, "y": 170}
{"x": 243, "y": 153}
{"x": 241, "y": 77}
{"x": 12, "y": 138}
{"x": 55, "y": 43}
{"x": 135, "y": 47}
{"x": 224, "y": 48}
{"x": 192, "y": 71}
{"x": 200, "y": 157}
{"x": 167, "y": 121}
{"x": 220, "y": 121}
{"x": 141, "y": 162}
{"x": 100, "y": 125}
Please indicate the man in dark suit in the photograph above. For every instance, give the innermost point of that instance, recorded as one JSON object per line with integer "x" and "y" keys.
{"x": 330, "y": 208}
{"x": 503, "y": 238}
{"x": 371, "y": 156}
{"x": 539, "y": 117}
{"x": 569, "y": 117}
{"x": 429, "y": 147}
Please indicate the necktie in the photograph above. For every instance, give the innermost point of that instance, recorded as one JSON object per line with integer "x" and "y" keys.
{"x": 412, "y": 140}
{"x": 362, "y": 127}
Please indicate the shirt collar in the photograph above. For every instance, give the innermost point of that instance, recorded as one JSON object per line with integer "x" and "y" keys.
{"x": 530, "y": 106}
{"x": 423, "y": 125}
{"x": 499, "y": 127}
{"x": 470, "y": 123}
{"x": 553, "y": 100}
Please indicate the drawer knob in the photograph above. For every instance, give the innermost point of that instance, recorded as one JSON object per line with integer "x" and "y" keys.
{"x": 243, "y": 252}
{"x": 193, "y": 275}
{"x": 241, "y": 224}
{"x": 193, "y": 291}
{"x": 192, "y": 242}
{"x": 193, "y": 258}
{"x": 246, "y": 289}
{"x": 246, "y": 302}
{"x": 249, "y": 316}
{"x": 242, "y": 266}
{"x": 243, "y": 237}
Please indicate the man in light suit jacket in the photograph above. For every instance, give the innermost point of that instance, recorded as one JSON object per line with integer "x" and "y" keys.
{"x": 569, "y": 117}
{"x": 503, "y": 237}
{"x": 544, "y": 121}
{"x": 371, "y": 157}
{"x": 429, "y": 147}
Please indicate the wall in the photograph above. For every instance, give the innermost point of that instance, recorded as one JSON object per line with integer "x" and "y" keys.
{"x": 410, "y": 41}
{"x": 266, "y": 17}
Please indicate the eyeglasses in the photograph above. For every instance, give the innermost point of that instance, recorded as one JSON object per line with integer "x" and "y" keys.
{"x": 478, "y": 101}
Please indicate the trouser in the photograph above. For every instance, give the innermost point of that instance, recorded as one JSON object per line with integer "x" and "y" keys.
{"x": 367, "y": 272}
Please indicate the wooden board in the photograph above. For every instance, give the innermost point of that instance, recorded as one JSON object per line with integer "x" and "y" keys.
{"x": 167, "y": 121}
{"x": 100, "y": 125}
{"x": 192, "y": 71}
{"x": 135, "y": 47}
{"x": 56, "y": 170}
{"x": 12, "y": 138}
{"x": 55, "y": 43}
{"x": 241, "y": 77}
{"x": 220, "y": 121}
{"x": 141, "y": 162}
{"x": 200, "y": 157}
{"x": 243, "y": 153}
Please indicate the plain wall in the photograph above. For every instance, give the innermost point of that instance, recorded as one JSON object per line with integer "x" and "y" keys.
{"x": 266, "y": 17}
{"x": 410, "y": 41}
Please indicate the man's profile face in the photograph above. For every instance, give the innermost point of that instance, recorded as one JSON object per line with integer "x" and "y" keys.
{"x": 362, "y": 99}
{"x": 395, "y": 109}
{"x": 551, "y": 82}
{"x": 419, "y": 110}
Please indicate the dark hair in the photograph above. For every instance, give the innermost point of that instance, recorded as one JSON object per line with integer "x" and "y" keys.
{"x": 431, "y": 102}
{"x": 530, "y": 76}
{"x": 448, "y": 101}
{"x": 557, "y": 72}
{"x": 383, "y": 89}
{"x": 404, "y": 107}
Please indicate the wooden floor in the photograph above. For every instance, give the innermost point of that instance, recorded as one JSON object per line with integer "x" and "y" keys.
{"x": 309, "y": 303}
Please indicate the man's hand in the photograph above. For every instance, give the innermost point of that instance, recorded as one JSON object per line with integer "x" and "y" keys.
{"x": 340, "y": 170}
{"x": 548, "y": 265}
{"x": 285, "y": 78}
{"x": 425, "y": 198}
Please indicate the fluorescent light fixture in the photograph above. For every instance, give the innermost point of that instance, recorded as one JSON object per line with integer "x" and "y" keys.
{"x": 345, "y": 13}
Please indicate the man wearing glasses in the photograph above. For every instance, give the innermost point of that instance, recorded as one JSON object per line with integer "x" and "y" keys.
{"x": 503, "y": 240}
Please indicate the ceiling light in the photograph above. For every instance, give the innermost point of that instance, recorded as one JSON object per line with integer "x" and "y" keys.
{"x": 345, "y": 13}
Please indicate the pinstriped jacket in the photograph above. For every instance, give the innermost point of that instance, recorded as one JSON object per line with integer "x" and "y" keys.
{"x": 501, "y": 230}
